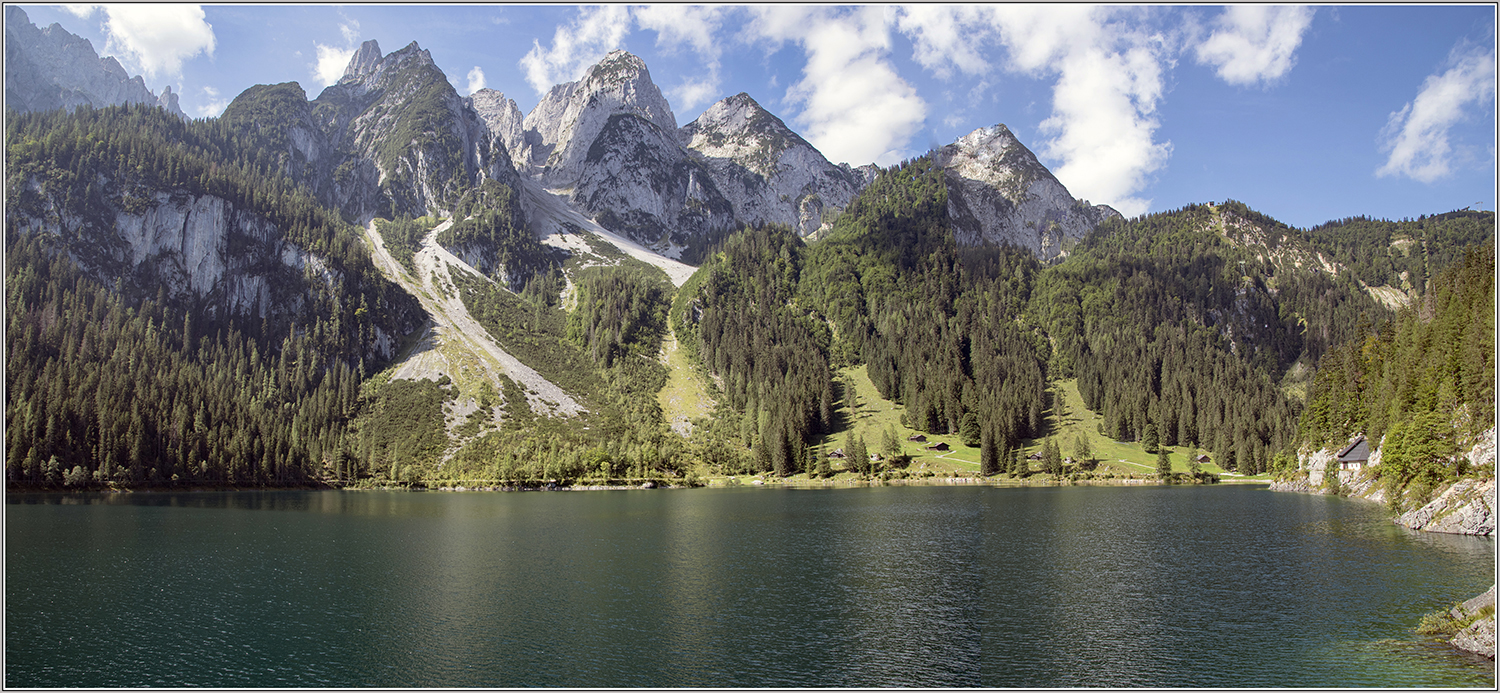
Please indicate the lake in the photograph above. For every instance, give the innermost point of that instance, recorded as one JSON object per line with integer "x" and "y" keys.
{"x": 928, "y": 586}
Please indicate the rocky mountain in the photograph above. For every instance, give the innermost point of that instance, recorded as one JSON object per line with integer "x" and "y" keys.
{"x": 998, "y": 192}
{"x": 52, "y": 68}
{"x": 400, "y": 123}
{"x": 768, "y": 173}
{"x": 563, "y": 127}
{"x": 609, "y": 143}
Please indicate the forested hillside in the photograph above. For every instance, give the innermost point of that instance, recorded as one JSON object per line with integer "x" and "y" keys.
{"x": 1424, "y": 381}
{"x": 181, "y": 311}
{"x": 120, "y": 370}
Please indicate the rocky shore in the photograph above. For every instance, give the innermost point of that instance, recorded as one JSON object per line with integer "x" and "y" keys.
{"x": 1465, "y": 507}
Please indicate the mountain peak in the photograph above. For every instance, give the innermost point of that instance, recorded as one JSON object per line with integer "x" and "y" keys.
{"x": 364, "y": 60}
{"x": 738, "y": 128}
{"x": 565, "y": 122}
{"x": 995, "y": 156}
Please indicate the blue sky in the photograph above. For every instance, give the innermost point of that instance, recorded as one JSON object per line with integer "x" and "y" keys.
{"x": 1306, "y": 113}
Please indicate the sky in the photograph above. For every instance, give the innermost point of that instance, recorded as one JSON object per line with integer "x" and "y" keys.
{"x": 1306, "y": 113}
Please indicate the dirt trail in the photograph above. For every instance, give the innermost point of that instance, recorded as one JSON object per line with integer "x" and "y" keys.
{"x": 454, "y": 327}
{"x": 549, "y": 213}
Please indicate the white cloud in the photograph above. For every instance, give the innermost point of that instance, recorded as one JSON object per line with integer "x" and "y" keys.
{"x": 945, "y": 37}
{"x": 678, "y": 25}
{"x": 476, "y": 79}
{"x": 81, "y": 11}
{"x": 332, "y": 60}
{"x": 1255, "y": 43}
{"x": 1417, "y": 135}
{"x": 692, "y": 94}
{"x": 331, "y": 64}
{"x": 575, "y": 47}
{"x": 157, "y": 38}
{"x": 691, "y": 26}
{"x": 1109, "y": 80}
{"x": 855, "y": 107}
{"x": 212, "y": 105}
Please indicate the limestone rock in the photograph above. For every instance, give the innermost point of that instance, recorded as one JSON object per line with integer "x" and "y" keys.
{"x": 1467, "y": 507}
{"x": 409, "y": 144}
{"x": 1479, "y": 636}
{"x": 53, "y": 68}
{"x": 502, "y": 116}
{"x": 637, "y": 181}
{"x": 768, "y": 173}
{"x": 563, "y": 126}
{"x": 998, "y": 192}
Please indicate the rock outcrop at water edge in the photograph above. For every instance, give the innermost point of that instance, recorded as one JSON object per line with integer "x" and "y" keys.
{"x": 1468, "y": 507}
{"x": 1478, "y": 637}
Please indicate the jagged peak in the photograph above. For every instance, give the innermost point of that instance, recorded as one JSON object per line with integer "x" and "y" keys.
{"x": 618, "y": 65}
{"x": 365, "y": 59}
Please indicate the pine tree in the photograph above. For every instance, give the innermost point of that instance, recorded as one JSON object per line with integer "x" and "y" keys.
{"x": 1082, "y": 452}
{"x": 989, "y": 461}
{"x": 859, "y": 457}
{"x": 1052, "y": 457}
{"x": 1163, "y": 463}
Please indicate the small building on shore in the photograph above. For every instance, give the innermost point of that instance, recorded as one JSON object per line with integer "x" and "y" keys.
{"x": 1355, "y": 455}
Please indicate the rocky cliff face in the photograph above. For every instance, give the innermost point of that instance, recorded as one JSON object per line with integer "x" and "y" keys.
{"x": 767, "y": 172}
{"x": 999, "y": 193}
{"x": 401, "y": 126}
{"x": 636, "y": 181}
{"x": 52, "y": 68}
{"x": 502, "y": 117}
{"x": 199, "y": 249}
{"x": 563, "y": 126}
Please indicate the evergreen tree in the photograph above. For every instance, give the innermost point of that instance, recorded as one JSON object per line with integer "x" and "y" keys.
{"x": 1163, "y": 463}
{"x": 989, "y": 459}
{"x": 1052, "y": 457}
{"x": 1082, "y": 451}
{"x": 968, "y": 429}
{"x": 859, "y": 457}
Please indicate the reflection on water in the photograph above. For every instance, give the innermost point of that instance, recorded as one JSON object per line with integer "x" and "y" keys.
{"x": 906, "y": 586}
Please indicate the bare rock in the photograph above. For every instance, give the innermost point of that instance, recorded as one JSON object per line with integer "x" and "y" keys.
{"x": 53, "y": 68}
{"x": 1467, "y": 507}
{"x": 999, "y": 193}
{"x": 1478, "y": 637}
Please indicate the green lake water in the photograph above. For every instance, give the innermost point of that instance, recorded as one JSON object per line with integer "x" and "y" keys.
{"x": 899, "y": 586}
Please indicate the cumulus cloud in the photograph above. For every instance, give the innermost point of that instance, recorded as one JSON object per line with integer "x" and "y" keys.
{"x": 81, "y": 11}
{"x": 476, "y": 79}
{"x": 692, "y": 94}
{"x": 157, "y": 38}
{"x": 333, "y": 60}
{"x": 331, "y": 64}
{"x": 946, "y": 37}
{"x": 575, "y": 46}
{"x": 855, "y": 107}
{"x": 1416, "y": 136}
{"x": 212, "y": 104}
{"x": 1109, "y": 80}
{"x": 688, "y": 26}
{"x": 1255, "y": 43}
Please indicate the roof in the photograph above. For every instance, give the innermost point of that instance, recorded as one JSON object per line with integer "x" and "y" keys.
{"x": 1357, "y": 450}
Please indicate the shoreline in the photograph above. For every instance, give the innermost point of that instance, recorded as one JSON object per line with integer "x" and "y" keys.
{"x": 479, "y": 485}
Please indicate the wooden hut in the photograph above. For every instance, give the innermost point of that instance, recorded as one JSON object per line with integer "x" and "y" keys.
{"x": 1355, "y": 455}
